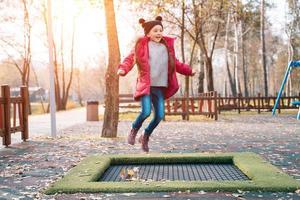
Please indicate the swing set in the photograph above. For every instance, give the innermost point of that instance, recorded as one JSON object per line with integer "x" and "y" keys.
{"x": 290, "y": 67}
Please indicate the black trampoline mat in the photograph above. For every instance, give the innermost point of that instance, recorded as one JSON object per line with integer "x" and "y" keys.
{"x": 173, "y": 172}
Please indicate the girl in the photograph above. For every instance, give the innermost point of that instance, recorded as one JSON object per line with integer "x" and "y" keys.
{"x": 157, "y": 65}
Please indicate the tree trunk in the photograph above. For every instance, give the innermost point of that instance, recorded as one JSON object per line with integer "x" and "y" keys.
{"x": 111, "y": 113}
{"x": 244, "y": 65}
{"x": 186, "y": 78}
{"x": 27, "y": 51}
{"x": 78, "y": 88}
{"x": 231, "y": 82}
{"x": 263, "y": 46}
{"x": 38, "y": 85}
{"x": 63, "y": 85}
{"x": 191, "y": 64}
{"x": 225, "y": 93}
{"x": 208, "y": 64}
{"x": 66, "y": 89}
{"x": 198, "y": 25}
{"x": 57, "y": 82}
{"x": 201, "y": 74}
{"x": 236, "y": 55}
{"x": 209, "y": 74}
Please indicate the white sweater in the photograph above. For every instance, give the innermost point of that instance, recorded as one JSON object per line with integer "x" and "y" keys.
{"x": 158, "y": 60}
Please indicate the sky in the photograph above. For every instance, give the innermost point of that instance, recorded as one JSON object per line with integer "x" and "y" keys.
{"x": 90, "y": 34}
{"x": 277, "y": 16}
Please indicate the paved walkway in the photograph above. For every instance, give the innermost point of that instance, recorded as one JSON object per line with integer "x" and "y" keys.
{"x": 26, "y": 169}
{"x": 40, "y": 125}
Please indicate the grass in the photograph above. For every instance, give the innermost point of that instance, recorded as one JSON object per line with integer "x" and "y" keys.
{"x": 36, "y": 108}
{"x": 131, "y": 115}
{"x": 263, "y": 176}
{"x": 262, "y": 112}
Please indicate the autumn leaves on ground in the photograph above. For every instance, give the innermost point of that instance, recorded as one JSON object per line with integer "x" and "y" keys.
{"x": 29, "y": 168}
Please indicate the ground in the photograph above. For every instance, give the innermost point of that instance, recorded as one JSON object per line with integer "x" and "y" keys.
{"x": 28, "y": 168}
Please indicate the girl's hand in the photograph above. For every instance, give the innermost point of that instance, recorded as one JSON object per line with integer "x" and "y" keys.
{"x": 121, "y": 72}
{"x": 193, "y": 72}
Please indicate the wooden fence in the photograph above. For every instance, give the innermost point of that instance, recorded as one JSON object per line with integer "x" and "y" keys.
{"x": 127, "y": 101}
{"x": 210, "y": 104}
{"x": 258, "y": 103}
{"x": 204, "y": 104}
{"x": 13, "y": 114}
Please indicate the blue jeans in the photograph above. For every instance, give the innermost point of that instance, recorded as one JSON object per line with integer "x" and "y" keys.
{"x": 156, "y": 97}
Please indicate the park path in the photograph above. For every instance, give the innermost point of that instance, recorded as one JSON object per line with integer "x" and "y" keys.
{"x": 40, "y": 125}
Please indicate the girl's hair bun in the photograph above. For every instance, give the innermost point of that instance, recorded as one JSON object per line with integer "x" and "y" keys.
{"x": 158, "y": 18}
{"x": 141, "y": 21}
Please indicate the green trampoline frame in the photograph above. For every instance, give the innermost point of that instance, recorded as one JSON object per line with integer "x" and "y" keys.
{"x": 263, "y": 176}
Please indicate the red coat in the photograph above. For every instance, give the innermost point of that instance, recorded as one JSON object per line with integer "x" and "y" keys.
{"x": 141, "y": 54}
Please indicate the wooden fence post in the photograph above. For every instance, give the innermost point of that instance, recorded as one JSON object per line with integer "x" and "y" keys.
{"x": 210, "y": 104}
{"x": 1, "y": 116}
{"x": 258, "y": 110}
{"x": 24, "y": 95}
{"x": 187, "y": 116}
{"x": 239, "y": 103}
{"x": 279, "y": 105}
{"x": 206, "y": 103}
{"x": 182, "y": 109}
{"x": 219, "y": 103}
{"x": 175, "y": 105}
{"x": 6, "y": 95}
{"x": 216, "y": 105}
{"x": 192, "y": 105}
{"x": 200, "y": 103}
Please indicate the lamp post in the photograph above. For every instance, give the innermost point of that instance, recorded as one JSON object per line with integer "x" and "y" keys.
{"x": 51, "y": 70}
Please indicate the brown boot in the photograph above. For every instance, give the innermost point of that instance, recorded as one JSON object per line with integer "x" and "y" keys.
{"x": 131, "y": 136}
{"x": 144, "y": 139}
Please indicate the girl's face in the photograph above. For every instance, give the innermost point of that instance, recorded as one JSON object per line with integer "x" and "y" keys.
{"x": 155, "y": 33}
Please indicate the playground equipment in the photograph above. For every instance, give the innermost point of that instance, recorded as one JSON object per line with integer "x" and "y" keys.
{"x": 291, "y": 65}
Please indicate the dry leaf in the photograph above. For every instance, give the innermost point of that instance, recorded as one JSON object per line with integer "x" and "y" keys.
{"x": 130, "y": 173}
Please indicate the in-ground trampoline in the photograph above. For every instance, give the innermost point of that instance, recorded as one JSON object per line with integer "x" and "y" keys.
{"x": 174, "y": 172}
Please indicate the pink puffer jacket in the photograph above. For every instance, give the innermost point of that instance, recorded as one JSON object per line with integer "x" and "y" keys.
{"x": 141, "y": 55}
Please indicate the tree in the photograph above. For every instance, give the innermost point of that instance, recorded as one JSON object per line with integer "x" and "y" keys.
{"x": 226, "y": 54}
{"x": 62, "y": 87}
{"x": 9, "y": 73}
{"x": 24, "y": 51}
{"x": 239, "y": 47}
{"x": 292, "y": 31}
{"x": 208, "y": 26}
{"x": 293, "y": 28}
{"x": 205, "y": 20}
{"x": 241, "y": 30}
{"x": 111, "y": 113}
{"x": 263, "y": 45}
{"x": 78, "y": 86}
